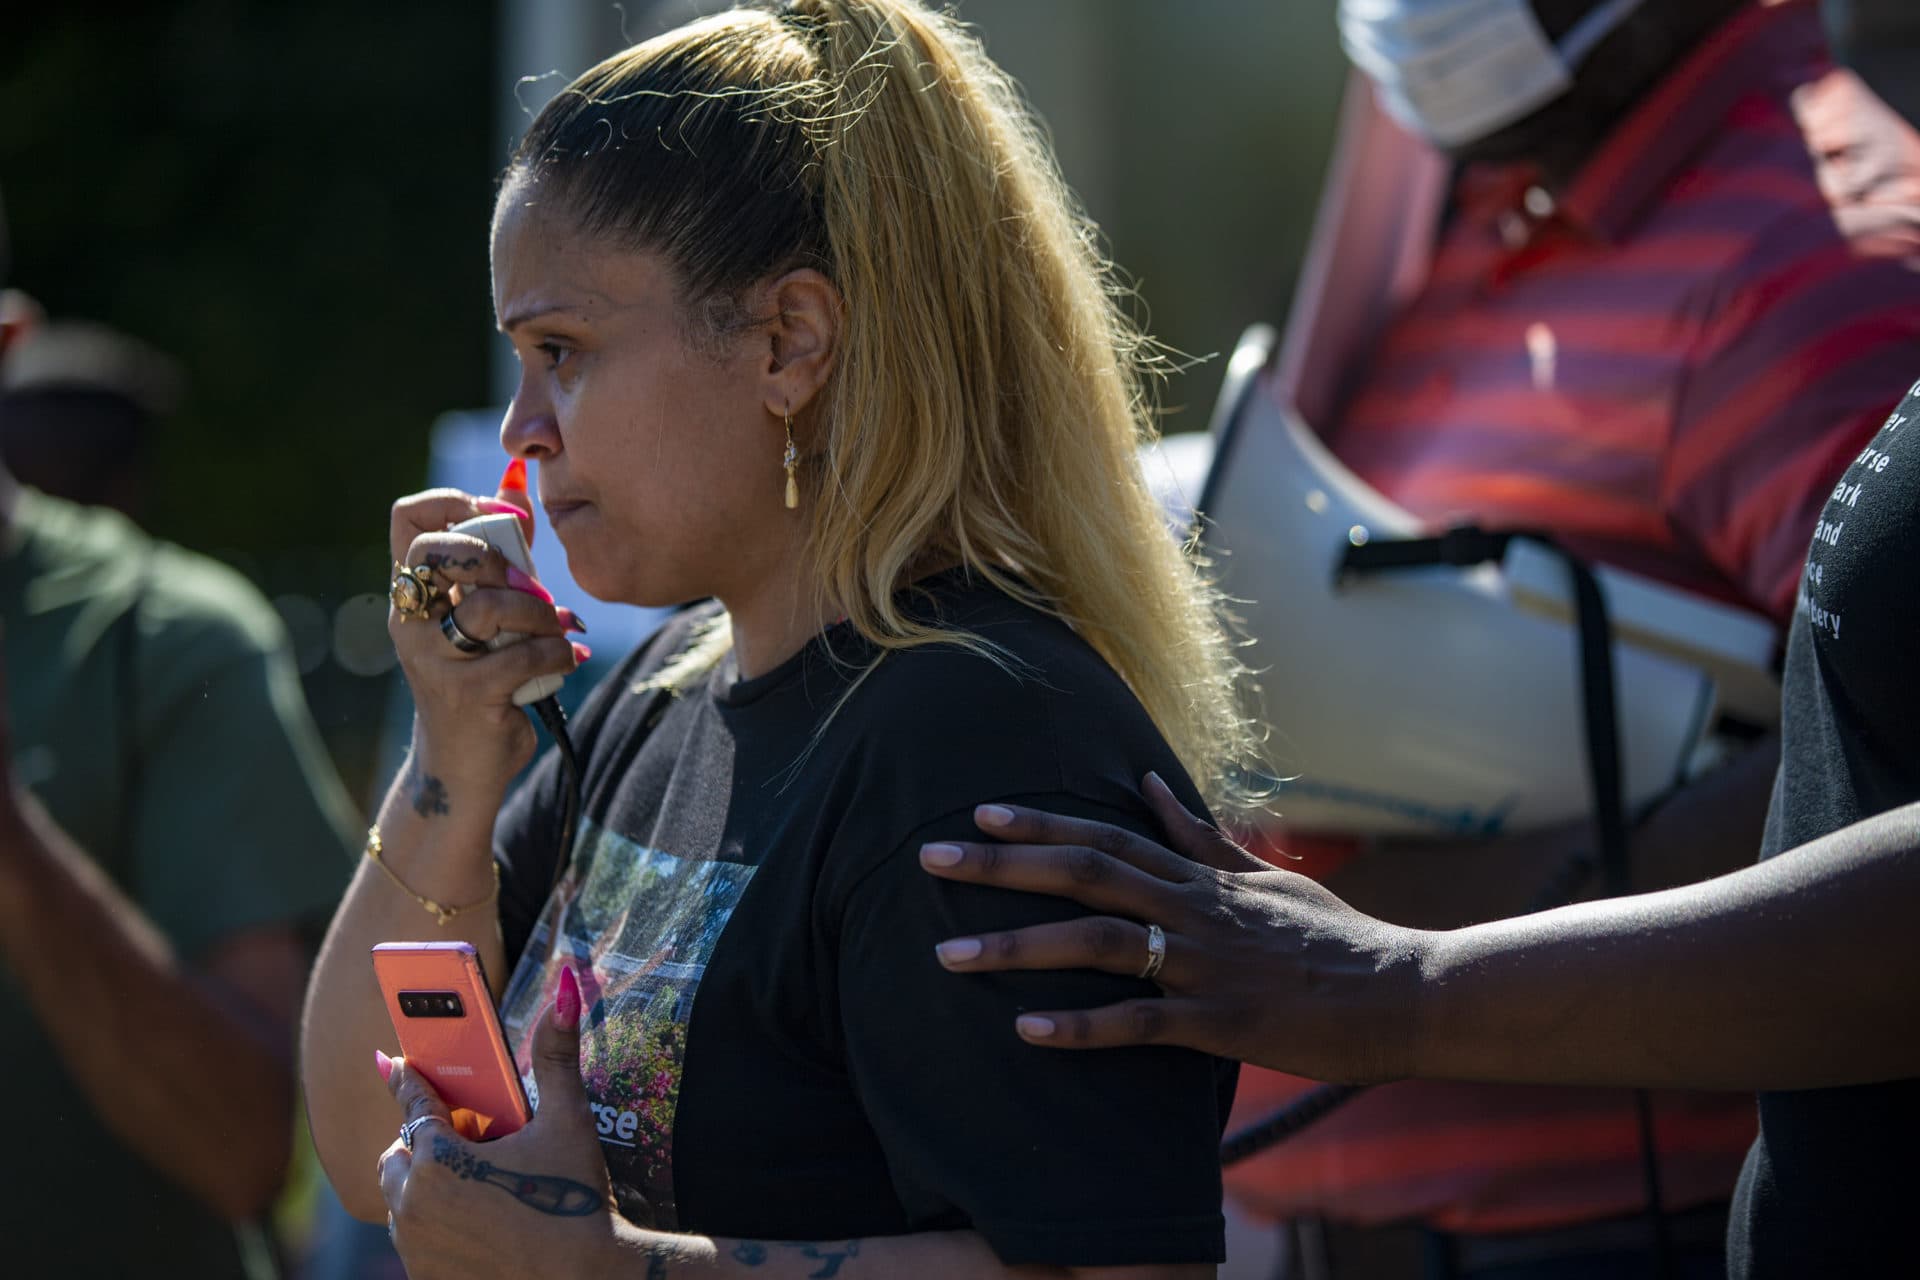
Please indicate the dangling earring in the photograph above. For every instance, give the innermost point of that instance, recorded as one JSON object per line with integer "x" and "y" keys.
{"x": 790, "y": 462}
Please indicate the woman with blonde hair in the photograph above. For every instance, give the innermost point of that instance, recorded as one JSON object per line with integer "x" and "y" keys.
{"x": 810, "y": 330}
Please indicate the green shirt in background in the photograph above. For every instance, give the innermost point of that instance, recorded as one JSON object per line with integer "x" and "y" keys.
{"x": 157, "y": 715}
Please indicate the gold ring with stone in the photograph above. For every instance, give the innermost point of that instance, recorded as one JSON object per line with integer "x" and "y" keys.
{"x": 412, "y": 591}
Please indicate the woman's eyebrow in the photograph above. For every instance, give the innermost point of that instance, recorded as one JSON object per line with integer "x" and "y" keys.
{"x": 535, "y": 312}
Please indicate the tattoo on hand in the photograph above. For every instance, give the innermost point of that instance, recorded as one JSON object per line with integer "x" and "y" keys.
{"x": 548, "y": 1193}
{"x": 429, "y": 794}
{"x": 445, "y": 560}
{"x": 752, "y": 1253}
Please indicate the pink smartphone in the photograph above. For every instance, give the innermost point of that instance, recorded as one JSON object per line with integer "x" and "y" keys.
{"x": 443, "y": 1013}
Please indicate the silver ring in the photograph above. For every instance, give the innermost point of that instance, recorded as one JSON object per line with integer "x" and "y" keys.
{"x": 458, "y": 638}
{"x": 1156, "y": 951}
{"x": 406, "y": 1130}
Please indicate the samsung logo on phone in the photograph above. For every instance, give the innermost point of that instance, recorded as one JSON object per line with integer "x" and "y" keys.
{"x": 453, "y": 1071}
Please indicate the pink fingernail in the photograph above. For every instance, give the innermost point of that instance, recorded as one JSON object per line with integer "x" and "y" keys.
{"x": 959, "y": 950}
{"x": 993, "y": 815}
{"x": 1034, "y": 1027}
{"x": 383, "y": 1064}
{"x": 570, "y": 620}
{"x": 521, "y": 582}
{"x": 941, "y": 855}
{"x": 580, "y": 654}
{"x": 499, "y": 508}
{"x": 566, "y": 1001}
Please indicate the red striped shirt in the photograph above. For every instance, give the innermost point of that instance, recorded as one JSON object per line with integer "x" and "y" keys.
{"x": 1668, "y": 363}
{"x": 1668, "y": 366}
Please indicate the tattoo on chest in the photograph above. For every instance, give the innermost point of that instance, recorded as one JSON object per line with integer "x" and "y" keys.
{"x": 548, "y": 1193}
{"x": 830, "y": 1257}
{"x": 428, "y": 793}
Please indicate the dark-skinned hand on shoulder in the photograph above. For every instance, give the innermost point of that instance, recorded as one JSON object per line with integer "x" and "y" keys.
{"x": 1261, "y": 964}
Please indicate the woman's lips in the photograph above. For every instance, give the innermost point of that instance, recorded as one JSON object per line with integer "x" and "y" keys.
{"x": 559, "y": 513}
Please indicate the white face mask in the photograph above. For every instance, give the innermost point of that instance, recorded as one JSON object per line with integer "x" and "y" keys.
{"x": 1458, "y": 70}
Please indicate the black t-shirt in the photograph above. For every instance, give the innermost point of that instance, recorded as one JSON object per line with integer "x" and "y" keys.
{"x": 1831, "y": 1180}
{"x": 770, "y": 1046}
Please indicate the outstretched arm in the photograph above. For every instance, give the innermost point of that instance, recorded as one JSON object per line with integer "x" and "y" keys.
{"x": 1797, "y": 972}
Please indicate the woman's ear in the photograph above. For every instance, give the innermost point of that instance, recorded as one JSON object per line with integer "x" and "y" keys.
{"x": 803, "y": 337}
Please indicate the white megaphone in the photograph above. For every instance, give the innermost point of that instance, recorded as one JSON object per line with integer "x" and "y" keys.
{"x": 1439, "y": 700}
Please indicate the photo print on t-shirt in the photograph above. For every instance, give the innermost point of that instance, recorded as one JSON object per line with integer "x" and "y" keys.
{"x": 638, "y": 926}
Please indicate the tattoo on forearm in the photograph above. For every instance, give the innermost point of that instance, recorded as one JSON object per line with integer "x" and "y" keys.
{"x": 831, "y": 1257}
{"x": 428, "y": 793}
{"x": 548, "y": 1193}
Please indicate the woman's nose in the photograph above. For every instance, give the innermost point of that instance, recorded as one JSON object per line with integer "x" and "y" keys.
{"x": 530, "y": 430}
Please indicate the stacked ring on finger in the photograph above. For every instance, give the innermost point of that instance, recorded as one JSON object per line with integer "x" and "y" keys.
{"x": 1156, "y": 952}
{"x": 458, "y": 637}
{"x": 407, "y": 1130}
{"x": 412, "y": 590}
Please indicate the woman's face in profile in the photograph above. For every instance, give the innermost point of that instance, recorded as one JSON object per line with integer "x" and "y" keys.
{"x": 659, "y": 464}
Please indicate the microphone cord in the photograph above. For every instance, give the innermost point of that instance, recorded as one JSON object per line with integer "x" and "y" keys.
{"x": 550, "y": 714}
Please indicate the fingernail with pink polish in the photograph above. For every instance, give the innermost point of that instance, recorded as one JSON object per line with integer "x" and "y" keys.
{"x": 941, "y": 855}
{"x": 580, "y": 654}
{"x": 496, "y": 507}
{"x": 383, "y": 1064}
{"x": 569, "y": 620}
{"x": 566, "y": 1001}
{"x": 993, "y": 815}
{"x": 959, "y": 950}
{"x": 522, "y": 582}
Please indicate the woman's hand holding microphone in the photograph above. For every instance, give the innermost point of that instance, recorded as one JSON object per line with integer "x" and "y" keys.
{"x": 468, "y": 733}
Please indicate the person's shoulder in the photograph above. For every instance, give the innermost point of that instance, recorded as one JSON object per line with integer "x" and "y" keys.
{"x": 1025, "y": 705}
{"x": 183, "y": 599}
{"x": 194, "y": 603}
{"x": 1014, "y": 664}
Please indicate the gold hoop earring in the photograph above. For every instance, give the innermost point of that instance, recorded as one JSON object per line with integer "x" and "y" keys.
{"x": 791, "y": 461}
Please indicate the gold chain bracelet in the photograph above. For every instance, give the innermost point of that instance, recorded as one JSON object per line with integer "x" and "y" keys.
{"x": 440, "y": 912}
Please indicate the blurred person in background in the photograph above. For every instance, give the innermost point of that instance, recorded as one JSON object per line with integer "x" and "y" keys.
{"x": 171, "y": 836}
{"x": 79, "y": 405}
{"x": 1673, "y": 294}
{"x": 1798, "y": 976}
